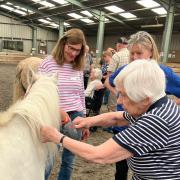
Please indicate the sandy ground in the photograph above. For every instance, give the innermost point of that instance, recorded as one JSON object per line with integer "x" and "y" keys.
{"x": 7, "y": 76}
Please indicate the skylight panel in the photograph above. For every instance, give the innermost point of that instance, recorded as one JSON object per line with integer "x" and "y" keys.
{"x": 44, "y": 21}
{"x": 47, "y": 4}
{"x": 74, "y": 15}
{"x": 7, "y": 7}
{"x": 106, "y": 19}
{"x": 86, "y": 20}
{"x": 87, "y": 13}
{"x": 49, "y": 19}
{"x": 18, "y": 7}
{"x": 114, "y": 9}
{"x": 148, "y": 3}
{"x": 8, "y": 3}
{"x": 54, "y": 24}
{"x": 127, "y": 15}
{"x": 20, "y": 12}
{"x": 60, "y": 1}
{"x": 159, "y": 10}
{"x": 66, "y": 24}
{"x": 30, "y": 11}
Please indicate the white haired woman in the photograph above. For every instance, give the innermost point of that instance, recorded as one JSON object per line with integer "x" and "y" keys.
{"x": 141, "y": 46}
{"x": 95, "y": 83}
{"x": 151, "y": 142}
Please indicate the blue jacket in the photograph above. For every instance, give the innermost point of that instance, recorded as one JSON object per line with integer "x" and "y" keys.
{"x": 172, "y": 84}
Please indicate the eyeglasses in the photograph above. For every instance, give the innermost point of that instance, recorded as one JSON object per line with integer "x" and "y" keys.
{"x": 72, "y": 49}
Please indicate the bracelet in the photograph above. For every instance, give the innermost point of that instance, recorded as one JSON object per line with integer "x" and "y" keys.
{"x": 62, "y": 139}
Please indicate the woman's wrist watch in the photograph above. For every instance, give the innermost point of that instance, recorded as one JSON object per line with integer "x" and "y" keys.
{"x": 62, "y": 139}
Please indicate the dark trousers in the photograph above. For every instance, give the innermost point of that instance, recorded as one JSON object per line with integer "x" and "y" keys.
{"x": 86, "y": 81}
{"x": 121, "y": 168}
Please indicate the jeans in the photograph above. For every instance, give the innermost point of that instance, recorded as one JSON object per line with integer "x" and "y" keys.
{"x": 67, "y": 161}
{"x": 106, "y": 96}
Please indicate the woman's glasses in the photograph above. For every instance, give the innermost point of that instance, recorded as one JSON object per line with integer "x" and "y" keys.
{"x": 73, "y": 49}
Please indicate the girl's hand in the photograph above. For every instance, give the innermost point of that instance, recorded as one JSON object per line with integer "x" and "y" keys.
{"x": 64, "y": 117}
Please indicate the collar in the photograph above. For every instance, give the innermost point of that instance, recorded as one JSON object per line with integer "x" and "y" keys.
{"x": 158, "y": 103}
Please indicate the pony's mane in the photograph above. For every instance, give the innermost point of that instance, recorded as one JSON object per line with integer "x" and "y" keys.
{"x": 39, "y": 107}
{"x": 20, "y": 84}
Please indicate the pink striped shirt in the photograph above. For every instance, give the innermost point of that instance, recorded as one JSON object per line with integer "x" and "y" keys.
{"x": 70, "y": 84}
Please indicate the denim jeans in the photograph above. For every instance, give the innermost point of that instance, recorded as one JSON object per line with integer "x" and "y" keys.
{"x": 67, "y": 160}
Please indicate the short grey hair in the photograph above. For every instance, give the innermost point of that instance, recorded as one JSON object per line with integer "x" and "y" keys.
{"x": 97, "y": 73}
{"x": 142, "y": 79}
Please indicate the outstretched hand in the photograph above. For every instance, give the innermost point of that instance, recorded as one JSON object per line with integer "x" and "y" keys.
{"x": 50, "y": 134}
{"x": 81, "y": 122}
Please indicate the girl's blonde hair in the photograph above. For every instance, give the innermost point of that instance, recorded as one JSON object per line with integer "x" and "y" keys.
{"x": 145, "y": 39}
{"x": 73, "y": 36}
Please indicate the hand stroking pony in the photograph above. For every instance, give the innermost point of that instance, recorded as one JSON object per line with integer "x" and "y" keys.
{"x": 23, "y": 156}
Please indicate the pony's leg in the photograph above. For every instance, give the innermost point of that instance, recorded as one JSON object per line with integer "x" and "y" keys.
{"x": 67, "y": 161}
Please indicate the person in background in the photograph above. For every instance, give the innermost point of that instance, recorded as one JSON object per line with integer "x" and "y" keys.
{"x": 141, "y": 46}
{"x": 88, "y": 66}
{"x": 151, "y": 142}
{"x": 120, "y": 58}
{"x": 95, "y": 82}
{"x": 109, "y": 49}
{"x": 67, "y": 60}
{"x": 107, "y": 58}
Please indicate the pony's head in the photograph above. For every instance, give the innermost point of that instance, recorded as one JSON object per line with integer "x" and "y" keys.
{"x": 21, "y": 80}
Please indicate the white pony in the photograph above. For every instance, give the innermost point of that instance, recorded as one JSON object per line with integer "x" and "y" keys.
{"x": 22, "y": 155}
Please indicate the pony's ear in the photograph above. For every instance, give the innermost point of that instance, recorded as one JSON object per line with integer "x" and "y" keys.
{"x": 31, "y": 76}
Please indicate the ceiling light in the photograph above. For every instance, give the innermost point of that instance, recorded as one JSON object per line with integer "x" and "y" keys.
{"x": 148, "y": 3}
{"x": 74, "y": 15}
{"x": 86, "y": 20}
{"x": 44, "y": 21}
{"x": 54, "y": 24}
{"x": 159, "y": 10}
{"x": 47, "y": 4}
{"x": 18, "y": 7}
{"x": 49, "y": 19}
{"x": 127, "y": 15}
{"x": 20, "y": 12}
{"x": 151, "y": 25}
{"x": 7, "y": 7}
{"x": 87, "y": 13}
{"x": 60, "y": 1}
{"x": 8, "y": 3}
{"x": 114, "y": 9}
{"x": 66, "y": 24}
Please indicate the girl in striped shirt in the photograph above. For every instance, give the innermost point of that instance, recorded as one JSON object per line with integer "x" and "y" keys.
{"x": 68, "y": 61}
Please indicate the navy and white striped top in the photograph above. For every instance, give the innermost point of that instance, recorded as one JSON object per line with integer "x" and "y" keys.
{"x": 154, "y": 139}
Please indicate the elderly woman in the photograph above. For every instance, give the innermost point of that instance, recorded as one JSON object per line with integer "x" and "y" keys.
{"x": 141, "y": 46}
{"x": 151, "y": 143}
